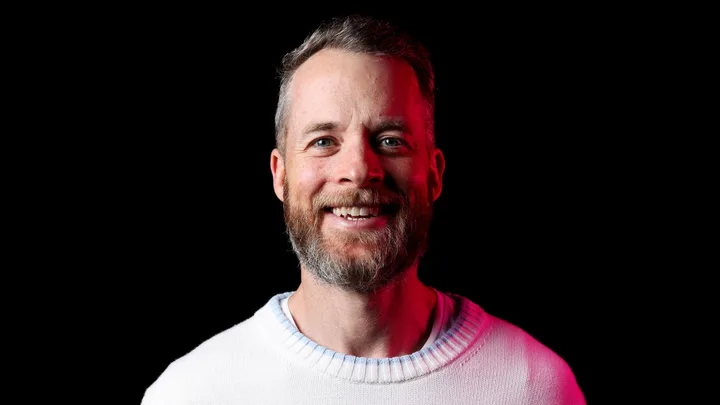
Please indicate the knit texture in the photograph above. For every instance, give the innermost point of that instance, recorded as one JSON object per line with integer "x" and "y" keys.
{"x": 478, "y": 359}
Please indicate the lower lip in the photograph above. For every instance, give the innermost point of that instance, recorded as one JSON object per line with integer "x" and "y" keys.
{"x": 370, "y": 223}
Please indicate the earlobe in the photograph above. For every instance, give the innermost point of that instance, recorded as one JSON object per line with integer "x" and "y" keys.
{"x": 277, "y": 167}
{"x": 437, "y": 168}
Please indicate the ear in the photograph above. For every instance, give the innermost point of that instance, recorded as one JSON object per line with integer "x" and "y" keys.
{"x": 437, "y": 168}
{"x": 277, "y": 166}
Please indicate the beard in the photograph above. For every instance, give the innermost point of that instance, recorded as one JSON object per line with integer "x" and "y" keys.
{"x": 384, "y": 253}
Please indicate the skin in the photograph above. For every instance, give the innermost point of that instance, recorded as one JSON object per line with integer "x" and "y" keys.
{"x": 358, "y": 93}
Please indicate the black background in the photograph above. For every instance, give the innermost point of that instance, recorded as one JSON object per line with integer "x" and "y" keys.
{"x": 186, "y": 236}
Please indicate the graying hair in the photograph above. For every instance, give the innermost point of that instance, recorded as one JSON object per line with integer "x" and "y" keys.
{"x": 361, "y": 34}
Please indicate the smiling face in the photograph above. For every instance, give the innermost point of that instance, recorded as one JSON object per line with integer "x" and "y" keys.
{"x": 359, "y": 176}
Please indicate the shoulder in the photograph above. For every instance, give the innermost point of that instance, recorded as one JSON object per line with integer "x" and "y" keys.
{"x": 497, "y": 335}
{"x": 546, "y": 372}
{"x": 508, "y": 337}
{"x": 514, "y": 353}
{"x": 195, "y": 375}
{"x": 185, "y": 378}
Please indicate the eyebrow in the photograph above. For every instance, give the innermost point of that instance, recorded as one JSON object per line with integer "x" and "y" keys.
{"x": 319, "y": 127}
{"x": 399, "y": 125}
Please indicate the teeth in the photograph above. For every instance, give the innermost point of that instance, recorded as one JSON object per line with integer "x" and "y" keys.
{"x": 356, "y": 211}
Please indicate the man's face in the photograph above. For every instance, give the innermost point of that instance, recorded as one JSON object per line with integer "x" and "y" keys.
{"x": 358, "y": 178}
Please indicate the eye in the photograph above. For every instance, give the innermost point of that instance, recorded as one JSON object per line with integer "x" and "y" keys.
{"x": 391, "y": 142}
{"x": 322, "y": 143}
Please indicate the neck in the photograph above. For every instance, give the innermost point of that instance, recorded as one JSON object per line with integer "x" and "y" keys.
{"x": 392, "y": 321}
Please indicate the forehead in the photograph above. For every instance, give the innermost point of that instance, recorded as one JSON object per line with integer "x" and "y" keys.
{"x": 344, "y": 68}
{"x": 341, "y": 86}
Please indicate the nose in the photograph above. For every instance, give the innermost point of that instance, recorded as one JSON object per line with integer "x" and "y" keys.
{"x": 359, "y": 165}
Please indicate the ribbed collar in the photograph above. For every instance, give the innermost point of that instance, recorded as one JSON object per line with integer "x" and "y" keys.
{"x": 468, "y": 324}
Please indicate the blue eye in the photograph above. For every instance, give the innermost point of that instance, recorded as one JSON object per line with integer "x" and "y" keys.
{"x": 323, "y": 143}
{"x": 391, "y": 142}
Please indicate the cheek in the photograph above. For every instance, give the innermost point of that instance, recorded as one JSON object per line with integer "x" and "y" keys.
{"x": 411, "y": 178}
{"x": 305, "y": 182}
{"x": 308, "y": 177}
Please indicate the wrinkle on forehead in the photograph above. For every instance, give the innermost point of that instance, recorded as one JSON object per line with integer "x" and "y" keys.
{"x": 340, "y": 86}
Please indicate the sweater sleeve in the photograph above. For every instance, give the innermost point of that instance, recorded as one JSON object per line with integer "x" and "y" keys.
{"x": 169, "y": 389}
{"x": 554, "y": 381}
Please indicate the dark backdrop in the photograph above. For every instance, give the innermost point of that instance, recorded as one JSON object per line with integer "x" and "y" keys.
{"x": 187, "y": 227}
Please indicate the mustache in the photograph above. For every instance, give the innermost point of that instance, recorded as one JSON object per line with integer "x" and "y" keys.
{"x": 357, "y": 197}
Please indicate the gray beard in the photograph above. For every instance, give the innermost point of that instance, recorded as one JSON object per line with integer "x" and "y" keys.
{"x": 389, "y": 251}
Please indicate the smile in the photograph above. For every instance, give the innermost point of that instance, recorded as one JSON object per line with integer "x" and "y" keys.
{"x": 357, "y": 218}
{"x": 356, "y": 213}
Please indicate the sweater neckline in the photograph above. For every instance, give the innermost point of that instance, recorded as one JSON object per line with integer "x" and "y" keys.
{"x": 469, "y": 323}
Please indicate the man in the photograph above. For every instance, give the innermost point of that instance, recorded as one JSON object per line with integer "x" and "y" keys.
{"x": 357, "y": 170}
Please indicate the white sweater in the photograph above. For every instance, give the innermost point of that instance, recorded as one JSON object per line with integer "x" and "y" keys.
{"x": 476, "y": 358}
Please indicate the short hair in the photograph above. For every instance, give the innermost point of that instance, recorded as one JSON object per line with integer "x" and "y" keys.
{"x": 361, "y": 34}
